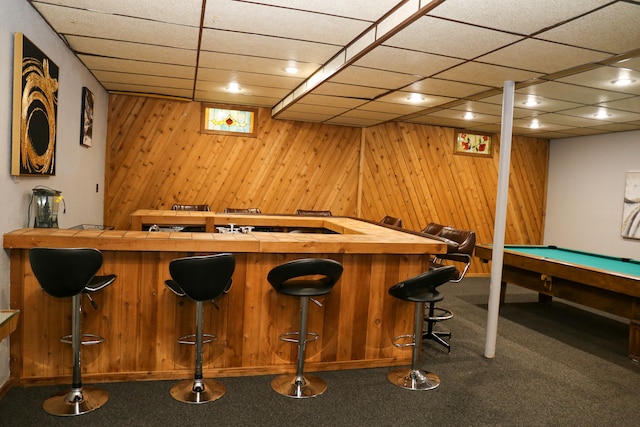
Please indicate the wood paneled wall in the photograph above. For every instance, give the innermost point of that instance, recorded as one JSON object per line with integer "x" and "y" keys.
{"x": 156, "y": 157}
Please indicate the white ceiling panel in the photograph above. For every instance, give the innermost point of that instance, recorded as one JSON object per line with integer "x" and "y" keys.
{"x": 254, "y": 18}
{"x": 129, "y": 50}
{"x": 98, "y": 63}
{"x": 266, "y": 46}
{"x": 522, "y": 16}
{"x": 438, "y": 36}
{"x": 455, "y": 56}
{"x": 117, "y": 27}
{"x": 613, "y": 29}
{"x": 541, "y": 56}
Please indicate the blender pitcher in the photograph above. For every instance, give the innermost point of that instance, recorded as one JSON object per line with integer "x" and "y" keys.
{"x": 46, "y": 203}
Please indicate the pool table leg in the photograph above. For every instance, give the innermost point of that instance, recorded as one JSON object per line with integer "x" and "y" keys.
{"x": 634, "y": 331}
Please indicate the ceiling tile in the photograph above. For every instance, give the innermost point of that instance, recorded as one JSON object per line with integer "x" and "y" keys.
{"x": 406, "y": 61}
{"x": 612, "y": 29}
{"x": 130, "y": 50}
{"x": 434, "y": 35}
{"x": 360, "y": 9}
{"x": 266, "y": 47}
{"x": 541, "y": 56}
{"x": 603, "y": 78}
{"x": 371, "y": 77}
{"x": 122, "y": 28}
{"x": 485, "y": 74}
{"x": 282, "y": 22}
{"x": 97, "y": 63}
{"x": 338, "y": 89}
{"x": 144, "y": 81}
{"x": 522, "y": 16}
{"x": 572, "y": 93}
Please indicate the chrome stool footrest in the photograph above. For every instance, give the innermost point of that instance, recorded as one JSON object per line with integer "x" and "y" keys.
{"x": 85, "y": 339}
{"x": 311, "y": 336}
{"x": 404, "y": 337}
{"x": 445, "y": 315}
{"x": 191, "y": 339}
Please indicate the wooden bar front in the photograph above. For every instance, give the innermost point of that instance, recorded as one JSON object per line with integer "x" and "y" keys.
{"x": 141, "y": 319}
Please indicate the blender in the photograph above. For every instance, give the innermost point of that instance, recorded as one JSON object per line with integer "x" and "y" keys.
{"x": 46, "y": 202}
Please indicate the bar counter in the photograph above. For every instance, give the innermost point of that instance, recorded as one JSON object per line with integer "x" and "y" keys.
{"x": 141, "y": 319}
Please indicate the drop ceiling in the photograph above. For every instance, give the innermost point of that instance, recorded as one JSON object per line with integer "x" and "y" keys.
{"x": 359, "y": 61}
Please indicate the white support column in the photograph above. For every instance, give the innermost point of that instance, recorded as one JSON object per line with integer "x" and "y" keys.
{"x": 501, "y": 218}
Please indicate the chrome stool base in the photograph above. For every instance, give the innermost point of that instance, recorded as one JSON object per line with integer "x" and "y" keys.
{"x": 76, "y": 401}
{"x": 289, "y": 385}
{"x": 202, "y": 391}
{"x": 413, "y": 379}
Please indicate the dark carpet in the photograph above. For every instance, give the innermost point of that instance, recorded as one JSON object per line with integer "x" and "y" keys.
{"x": 555, "y": 365}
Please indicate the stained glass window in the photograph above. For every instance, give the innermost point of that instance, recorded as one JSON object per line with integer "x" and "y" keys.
{"x": 222, "y": 119}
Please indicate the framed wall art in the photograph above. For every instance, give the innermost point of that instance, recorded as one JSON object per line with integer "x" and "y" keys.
{"x": 86, "y": 120}
{"x": 35, "y": 110}
{"x": 631, "y": 206}
{"x": 473, "y": 143}
{"x": 229, "y": 120}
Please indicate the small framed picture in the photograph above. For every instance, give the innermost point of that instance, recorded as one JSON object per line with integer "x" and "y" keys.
{"x": 473, "y": 143}
{"x": 86, "y": 123}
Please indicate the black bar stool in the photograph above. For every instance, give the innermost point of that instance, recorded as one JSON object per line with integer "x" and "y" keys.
{"x": 201, "y": 278}
{"x": 67, "y": 273}
{"x": 305, "y": 278}
{"x": 420, "y": 289}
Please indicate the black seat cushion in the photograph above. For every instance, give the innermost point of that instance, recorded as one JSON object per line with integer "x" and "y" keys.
{"x": 203, "y": 278}
{"x": 307, "y": 277}
{"x": 422, "y": 288}
{"x": 65, "y": 272}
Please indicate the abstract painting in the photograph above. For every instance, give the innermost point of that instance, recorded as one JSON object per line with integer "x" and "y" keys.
{"x": 35, "y": 110}
{"x": 631, "y": 208}
{"x": 86, "y": 123}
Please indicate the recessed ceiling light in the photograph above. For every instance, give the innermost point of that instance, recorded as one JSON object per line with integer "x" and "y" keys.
{"x": 622, "y": 82}
{"x": 535, "y": 124}
{"x": 415, "y": 97}
{"x": 602, "y": 114}
{"x": 531, "y": 101}
{"x": 291, "y": 68}
{"x": 234, "y": 87}
{"x": 468, "y": 115}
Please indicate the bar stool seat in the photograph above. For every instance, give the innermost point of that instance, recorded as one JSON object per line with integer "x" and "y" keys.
{"x": 67, "y": 273}
{"x": 304, "y": 278}
{"x": 420, "y": 289}
{"x": 200, "y": 278}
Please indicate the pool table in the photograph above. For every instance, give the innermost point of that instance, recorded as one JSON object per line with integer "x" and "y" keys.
{"x": 606, "y": 283}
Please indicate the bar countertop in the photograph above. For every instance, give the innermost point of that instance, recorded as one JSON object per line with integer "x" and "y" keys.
{"x": 348, "y": 235}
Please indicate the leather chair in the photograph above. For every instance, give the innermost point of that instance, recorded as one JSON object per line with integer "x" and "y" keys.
{"x": 200, "y": 208}
{"x": 312, "y": 213}
{"x": 69, "y": 273}
{"x": 200, "y": 278}
{"x": 460, "y": 247}
{"x": 303, "y": 278}
{"x": 390, "y": 220}
{"x": 243, "y": 210}
{"x": 421, "y": 290}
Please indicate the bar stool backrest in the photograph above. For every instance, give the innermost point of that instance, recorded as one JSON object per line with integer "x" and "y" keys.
{"x": 203, "y": 278}
{"x": 305, "y": 277}
{"x": 64, "y": 272}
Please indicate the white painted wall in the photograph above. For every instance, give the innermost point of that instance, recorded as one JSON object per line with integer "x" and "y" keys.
{"x": 78, "y": 168}
{"x": 585, "y": 193}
